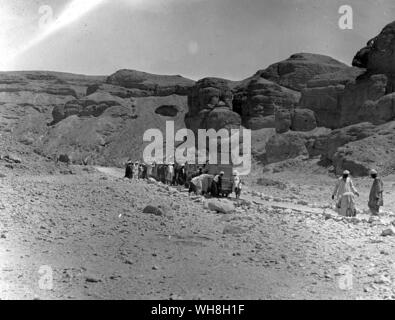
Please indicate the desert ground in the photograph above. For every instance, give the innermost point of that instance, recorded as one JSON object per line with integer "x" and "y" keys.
{"x": 283, "y": 241}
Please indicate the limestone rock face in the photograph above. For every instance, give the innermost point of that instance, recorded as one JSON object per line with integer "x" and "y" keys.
{"x": 262, "y": 98}
{"x": 93, "y": 105}
{"x": 285, "y": 146}
{"x": 283, "y": 120}
{"x": 356, "y": 94}
{"x": 379, "y": 54}
{"x": 341, "y": 137}
{"x": 295, "y": 120}
{"x": 297, "y": 70}
{"x": 210, "y": 106}
{"x": 303, "y": 120}
{"x": 323, "y": 95}
{"x": 377, "y": 151}
{"x": 151, "y": 84}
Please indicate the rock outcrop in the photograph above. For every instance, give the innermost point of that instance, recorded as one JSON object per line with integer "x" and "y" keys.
{"x": 354, "y": 95}
{"x": 285, "y": 146}
{"x": 261, "y": 97}
{"x": 373, "y": 147}
{"x": 93, "y": 105}
{"x": 210, "y": 106}
{"x": 378, "y": 57}
{"x": 280, "y": 85}
{"x": 297, "y": 70}
{"x": 295, "y": 120}
{"x": 146, "y": 84}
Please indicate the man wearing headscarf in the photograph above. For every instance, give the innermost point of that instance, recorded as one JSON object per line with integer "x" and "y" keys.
{"x": 376, "y": 193}
{"x": 344, "y": 193}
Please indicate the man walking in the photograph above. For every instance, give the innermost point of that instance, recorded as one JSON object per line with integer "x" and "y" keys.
{"x": 344, "y": 193}
{"x": 376, "y": 194}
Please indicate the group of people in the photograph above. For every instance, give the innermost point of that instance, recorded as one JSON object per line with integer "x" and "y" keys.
{"x": 199, "y": 181}
{"x": 171, "y": 174}
{"x": 345, "y": 191}
{"x": 204, "y": 183}
{"x": 136, "y": 170}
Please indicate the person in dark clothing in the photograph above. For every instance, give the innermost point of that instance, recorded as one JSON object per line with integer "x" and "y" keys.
{"x": 144, "y": 173}
{"x": 216, "y": 185}
{"x": 129, "y": 170}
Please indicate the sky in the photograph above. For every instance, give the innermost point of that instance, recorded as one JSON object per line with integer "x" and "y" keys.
{"x": 194, "y": 38}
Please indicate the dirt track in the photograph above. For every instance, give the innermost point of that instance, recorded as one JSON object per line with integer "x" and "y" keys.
{"x": 91, "y": 231}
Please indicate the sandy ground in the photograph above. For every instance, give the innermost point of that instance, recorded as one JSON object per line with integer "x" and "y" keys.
{"x": 88, "y": 233}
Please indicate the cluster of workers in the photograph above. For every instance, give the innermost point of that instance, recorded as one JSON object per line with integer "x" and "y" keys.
{"x": 345, "y": 190}
{"x": 198, "y": 181}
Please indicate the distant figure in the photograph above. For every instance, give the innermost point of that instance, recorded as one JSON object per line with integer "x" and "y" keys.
{"x": 216, "y": 185}
{"x": 136, "y": 170}
{"x": 144, "y": 172}
{"x": 344, "y": 193}
{"x": 376, "y": 194}
{"x": 197, "y": 183}
{"x": 129, "y": 169}
{"x": 150, "y": 170}
{"x": 169, "y": 174}
{"x": 140, "y": 171}
{"x": 236, "y": 186}
{"x": 155, "y": 170}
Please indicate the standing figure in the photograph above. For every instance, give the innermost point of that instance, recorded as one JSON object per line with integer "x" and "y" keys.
{"x": 344, "y": 193}
{"x": 236, "y": 186}
{"x": 144, "y": 172}
{"x": 376, "y": 194}
{"x": 169, "y": 174}
{"x": 150, "y": 168}
{"x": 216, "y": 185}
{"x": 136, "y": 170}
{"x": 129, "y": 169}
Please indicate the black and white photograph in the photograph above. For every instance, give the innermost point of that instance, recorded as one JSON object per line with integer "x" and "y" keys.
{"x": 197, "y": 150}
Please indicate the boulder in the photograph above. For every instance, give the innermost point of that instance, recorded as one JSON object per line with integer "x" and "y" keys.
{"x": 328, "y": 144}
{"x": 221, "y": 206}
{"x": 233, "y": 229}
{"x": 388, "y": 232}
{"x": 210, "y": 106}
{"x": 303, "y": 120}
{"x": 285, "y": 146}
{"x": 296, "y": 120}
{"x": 64, "y": 158}
{"x": 207, "y": 93}
{"x": 379, "y": 111}
{"x": 376, "y": 151}
{"x": 155, "y": 210}
{"x": 222, "y": 118}
{"x": 283, "y": 120}
{"x": 357, "y": 93}
{"x": 261, "y": 122}
{"x": 260, "y": 98}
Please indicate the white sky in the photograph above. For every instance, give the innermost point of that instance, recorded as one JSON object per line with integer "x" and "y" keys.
{"x": 194, "y": 38}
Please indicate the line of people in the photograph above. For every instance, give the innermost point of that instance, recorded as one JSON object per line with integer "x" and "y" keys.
{"x": 171, "y": 174}
{"x": 345, "y": 191}
{"x": 198, "y": 181}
